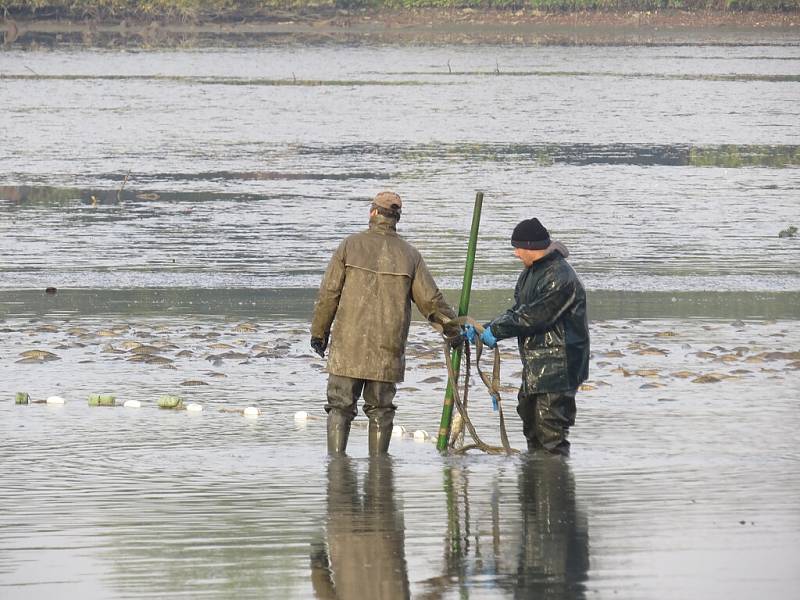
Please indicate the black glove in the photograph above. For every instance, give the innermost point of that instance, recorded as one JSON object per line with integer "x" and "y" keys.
{"x": 456, "y": 342}
{"x": 452, "y": 334}
{"x": 319, "y": 345}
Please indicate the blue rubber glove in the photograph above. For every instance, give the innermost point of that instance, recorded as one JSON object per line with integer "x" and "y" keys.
{"x": 470, "y": 334}
{"x": 488, "y": 338}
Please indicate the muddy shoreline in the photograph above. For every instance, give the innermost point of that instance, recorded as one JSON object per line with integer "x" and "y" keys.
{"x": 420, "y": 26}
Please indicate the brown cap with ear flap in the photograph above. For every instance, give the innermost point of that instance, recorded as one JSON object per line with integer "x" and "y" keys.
{"x": 388, "y": 201}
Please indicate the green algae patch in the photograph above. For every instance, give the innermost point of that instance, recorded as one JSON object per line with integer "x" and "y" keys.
{"x": 736, "y": 156}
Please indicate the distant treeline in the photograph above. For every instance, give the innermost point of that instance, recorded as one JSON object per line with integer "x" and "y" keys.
{"x": 235, "y": 9}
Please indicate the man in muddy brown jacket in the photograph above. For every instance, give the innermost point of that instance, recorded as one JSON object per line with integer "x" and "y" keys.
{"x": 366, "y": 296}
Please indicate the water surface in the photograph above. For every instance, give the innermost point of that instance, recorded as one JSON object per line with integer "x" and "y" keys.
{"x": 673, "y": 484}
{"x": 219, "y": 168}
{"x": 172, "y": 195}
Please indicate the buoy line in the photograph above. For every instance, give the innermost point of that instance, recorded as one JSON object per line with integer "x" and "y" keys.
{"x": 165, "y": 401}
{"x": 170, "y": 402}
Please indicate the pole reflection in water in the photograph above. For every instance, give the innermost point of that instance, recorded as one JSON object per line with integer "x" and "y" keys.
{"x": 363, "y": 555}
{"x": 536, "y": 544}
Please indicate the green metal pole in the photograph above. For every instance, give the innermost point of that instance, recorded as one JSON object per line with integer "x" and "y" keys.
{"x": 463, "y": 309}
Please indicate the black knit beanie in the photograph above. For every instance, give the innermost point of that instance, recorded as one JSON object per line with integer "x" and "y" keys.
{"x": 530, "y": 235}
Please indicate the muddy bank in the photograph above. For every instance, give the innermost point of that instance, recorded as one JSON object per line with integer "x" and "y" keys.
{"x": 298, "y": 303}
{"x": 421, "y": 26}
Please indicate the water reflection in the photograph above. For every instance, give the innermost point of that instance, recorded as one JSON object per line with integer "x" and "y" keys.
{"x": 538, "y": 543}
{"x": 554, "y": 550}
{"x": 363, "y": 555}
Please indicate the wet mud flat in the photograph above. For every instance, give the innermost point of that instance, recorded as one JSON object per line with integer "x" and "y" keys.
{"x": 269, "y": 364}
{"x": 683, "y": 474}
{"x": 413, "y": 26}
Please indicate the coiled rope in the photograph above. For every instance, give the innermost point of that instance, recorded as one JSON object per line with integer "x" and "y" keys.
{"x": 456, "y": 442}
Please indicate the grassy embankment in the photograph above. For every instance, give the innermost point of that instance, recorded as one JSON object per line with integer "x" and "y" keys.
{"x": 183, "y": 9}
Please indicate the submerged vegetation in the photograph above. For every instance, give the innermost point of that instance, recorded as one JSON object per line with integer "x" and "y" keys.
{"x": 734, "y": 156}
{"x": 235, "y": 9}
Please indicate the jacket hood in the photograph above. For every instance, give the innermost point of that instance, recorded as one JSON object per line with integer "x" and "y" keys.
{"x": 556, "y": 246}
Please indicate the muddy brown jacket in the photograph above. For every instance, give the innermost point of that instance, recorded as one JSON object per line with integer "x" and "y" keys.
{"x": 368, "y": 288}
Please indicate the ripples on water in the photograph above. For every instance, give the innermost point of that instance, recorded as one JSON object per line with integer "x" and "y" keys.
{"x": 116, "y": 502}
{"x": 657, "y": 167}
{"x": 667, "y": 170}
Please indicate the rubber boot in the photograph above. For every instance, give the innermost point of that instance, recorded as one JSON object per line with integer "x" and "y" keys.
{"x": 380, "y": 435}
{"x": 534, "y": 444}
{"x": 338, "y": 432}
{"x": 561, "y": 449}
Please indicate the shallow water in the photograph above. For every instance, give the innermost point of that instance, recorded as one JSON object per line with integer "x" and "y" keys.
{"x": 244, "y": 167}
{"x": 672, "y": 485}
{"x": 668, "y": 171}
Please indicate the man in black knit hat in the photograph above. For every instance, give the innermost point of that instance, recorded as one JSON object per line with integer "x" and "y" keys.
{"x": 549, "y": 321}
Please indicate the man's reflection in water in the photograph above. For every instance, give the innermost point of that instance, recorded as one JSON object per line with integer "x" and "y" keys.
{"x": 554, "y": 550}
{"x": 527, "y": 539}
{"x": 364, "y": 557}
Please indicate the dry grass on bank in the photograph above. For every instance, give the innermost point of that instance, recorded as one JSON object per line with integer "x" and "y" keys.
{"x": 233, "y": 10}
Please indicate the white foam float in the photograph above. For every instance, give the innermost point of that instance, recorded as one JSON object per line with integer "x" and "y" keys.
{"x": 251, "y": 412}
{"x": 55, "y": 400}
{"x": 300, "y": 416}
{"x": 398, "y": 431}
{"x": 132, "y": 404}
{"x": 420, "y": 435}
{"x": 194, "y": 407}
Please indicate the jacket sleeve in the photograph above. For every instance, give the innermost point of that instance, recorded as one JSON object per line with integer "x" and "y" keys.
{"x": 329, "y": 292}
{"x": 538, "y": 315}
{"x": 428, "y": 298}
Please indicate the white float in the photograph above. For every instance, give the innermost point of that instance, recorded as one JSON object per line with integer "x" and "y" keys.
{"x": 398, "y": 431}
{"x": 132, "y": 404}
{"x": 55, "y": 400}
{"x": 300, "y": 416}
{"x": 420, "y": 435}
{"x": 251, "y": 412}
{"x": 194, "y": 407}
